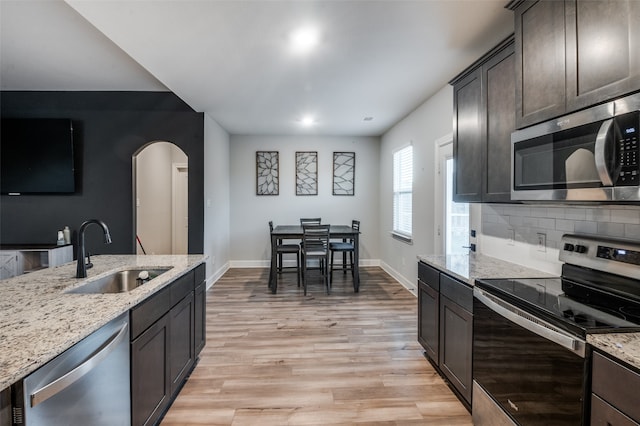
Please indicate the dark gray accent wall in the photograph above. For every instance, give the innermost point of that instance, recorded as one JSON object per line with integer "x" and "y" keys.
{"x": 109, "y": 128}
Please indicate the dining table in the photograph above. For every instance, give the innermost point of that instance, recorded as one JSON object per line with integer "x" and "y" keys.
{"x": 295, "y": 232}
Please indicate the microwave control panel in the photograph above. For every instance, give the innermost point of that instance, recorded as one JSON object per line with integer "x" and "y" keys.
{"x": 627, "y": 149}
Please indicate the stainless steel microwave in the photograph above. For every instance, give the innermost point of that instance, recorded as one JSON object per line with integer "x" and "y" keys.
{"x": 590, "y": 155}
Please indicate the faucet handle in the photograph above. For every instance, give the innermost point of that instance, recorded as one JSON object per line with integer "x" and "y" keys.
{"x": 88, "y": 263}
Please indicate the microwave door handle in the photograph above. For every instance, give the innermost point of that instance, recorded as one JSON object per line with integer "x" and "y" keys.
{"x": 601, "y": 151}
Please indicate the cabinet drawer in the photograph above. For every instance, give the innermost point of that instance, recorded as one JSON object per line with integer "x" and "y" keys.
{"x": 429, "y": 275}
{"x": 457, "y": 292}
{"x": 149, "y": 311}
{"x": 615, "y": 384}
{"x": 181, "y": 287}
{"x": 603, "y": 414}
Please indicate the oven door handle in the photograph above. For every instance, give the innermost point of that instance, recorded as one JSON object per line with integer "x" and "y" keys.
{"x": 529, "y": 322}
{"x": 600, "y": 153}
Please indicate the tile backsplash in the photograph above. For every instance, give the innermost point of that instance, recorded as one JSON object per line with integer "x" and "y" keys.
{"x": 523, "y": 223}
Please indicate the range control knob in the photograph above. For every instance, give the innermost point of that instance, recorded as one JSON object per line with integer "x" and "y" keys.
{"x": 569, "y": 247}
{"x": 581, "y": 249}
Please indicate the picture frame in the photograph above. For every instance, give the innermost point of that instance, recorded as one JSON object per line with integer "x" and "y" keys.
{"x": 306, "y": 173}
{"x": 267, "y": 173}
{"x": 344, "y": 173}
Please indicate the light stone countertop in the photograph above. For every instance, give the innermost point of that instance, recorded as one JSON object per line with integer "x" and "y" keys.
{"x": 39, "y": 321}
{"x": 624, "y": 346}
{"x": 469, "y": 267}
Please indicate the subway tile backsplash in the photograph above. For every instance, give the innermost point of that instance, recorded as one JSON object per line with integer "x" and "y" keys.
{"x": 524, "y": 222}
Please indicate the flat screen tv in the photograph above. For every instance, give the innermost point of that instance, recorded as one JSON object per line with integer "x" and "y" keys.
{"x": 36, "y": 156}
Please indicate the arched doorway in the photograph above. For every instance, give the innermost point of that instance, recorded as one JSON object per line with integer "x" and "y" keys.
{"x": 161, "y": 199}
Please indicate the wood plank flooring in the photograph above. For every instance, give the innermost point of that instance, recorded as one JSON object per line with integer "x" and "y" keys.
{"x": 286, "y": 359}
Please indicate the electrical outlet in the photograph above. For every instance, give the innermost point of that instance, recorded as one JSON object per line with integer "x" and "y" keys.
{"x": 542, "y": 242}
{"x": 511, "y": 237}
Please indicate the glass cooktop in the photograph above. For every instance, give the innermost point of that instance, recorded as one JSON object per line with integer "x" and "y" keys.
{"x": 572, "y": 305}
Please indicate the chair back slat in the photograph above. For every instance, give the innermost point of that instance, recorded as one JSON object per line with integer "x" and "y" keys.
{"x": 315, "y": 238}
{"x": 310, "y": 221}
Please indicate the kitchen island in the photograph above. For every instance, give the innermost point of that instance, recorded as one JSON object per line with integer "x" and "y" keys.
{"x": 39, "y": 319}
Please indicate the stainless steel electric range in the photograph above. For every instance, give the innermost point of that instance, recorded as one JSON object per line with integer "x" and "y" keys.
{"x": 530, "y": 363}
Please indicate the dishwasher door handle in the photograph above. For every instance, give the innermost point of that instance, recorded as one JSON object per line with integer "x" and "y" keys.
{"x": 529, "y": 322}
{"x": 58, "y": 385}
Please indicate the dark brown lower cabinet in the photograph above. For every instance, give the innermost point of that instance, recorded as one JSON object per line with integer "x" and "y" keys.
{"x": 200, "y": 306}
{"x": 445, "y": 327}
{"x": 163, "y": 345}
{"x": 150, "y": 384}
{"x": 614, "y": 399}
{"x": 428, "y": 319}
{"x": 5, "y": 407}
{"x": 181, "y": 343}
{"x": 456, "y": 331}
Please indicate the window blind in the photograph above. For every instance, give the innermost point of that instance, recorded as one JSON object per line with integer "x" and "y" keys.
{"x": 403, "y": 191}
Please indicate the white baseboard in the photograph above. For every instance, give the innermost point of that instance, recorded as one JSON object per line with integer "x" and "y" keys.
{"x": 217, "y": 275}
{"x": 409, "y": 285}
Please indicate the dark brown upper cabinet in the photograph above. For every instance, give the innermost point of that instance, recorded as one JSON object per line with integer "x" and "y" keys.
{"x": 483, "y": 119}
{"x": 573, "y": 54}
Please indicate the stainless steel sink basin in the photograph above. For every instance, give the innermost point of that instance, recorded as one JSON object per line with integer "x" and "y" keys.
{"x": 119, "y": 282}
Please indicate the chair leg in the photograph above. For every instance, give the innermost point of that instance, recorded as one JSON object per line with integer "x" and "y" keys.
{"x": 327, "y": 279}
{"x": 331, "y": 268}
{"x": 344, "y": 262}
{"x": 298, "y": 267}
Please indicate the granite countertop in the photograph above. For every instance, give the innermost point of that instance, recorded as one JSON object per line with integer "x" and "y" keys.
{"x": 624, "y": 346}
{"x": 469, "y": 267}
{"x": 38, "y": 320}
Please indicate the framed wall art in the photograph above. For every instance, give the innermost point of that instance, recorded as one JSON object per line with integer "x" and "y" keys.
{"x": 307, "y": 173}
{"x": 267, "y": 173}
{"x": 344, "y": 173}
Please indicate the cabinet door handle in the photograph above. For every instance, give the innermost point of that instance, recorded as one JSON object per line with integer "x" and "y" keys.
{"x": 61, "y": 383}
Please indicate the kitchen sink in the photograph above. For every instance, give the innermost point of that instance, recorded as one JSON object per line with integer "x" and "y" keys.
{"x": 120, "y": 282}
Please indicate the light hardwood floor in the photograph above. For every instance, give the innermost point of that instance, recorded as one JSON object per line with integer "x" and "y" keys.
{"x": 337, "y": 359}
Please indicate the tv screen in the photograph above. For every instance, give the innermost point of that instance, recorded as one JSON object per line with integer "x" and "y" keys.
{"x": 36, "y": 156}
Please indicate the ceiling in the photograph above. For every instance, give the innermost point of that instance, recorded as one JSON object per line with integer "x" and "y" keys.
{"x": 232, "y": 59}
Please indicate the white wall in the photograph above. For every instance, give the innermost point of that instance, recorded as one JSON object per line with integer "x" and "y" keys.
{"x": 251, "y": 213}
{"x": 429, "y": 122}
{"x": 153, "y": 196}
{"x": 216, "y": 199}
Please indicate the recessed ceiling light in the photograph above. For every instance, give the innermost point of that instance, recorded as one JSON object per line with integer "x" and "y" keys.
{"x": 307, "y": 120}
{"x": 304, "y": 39}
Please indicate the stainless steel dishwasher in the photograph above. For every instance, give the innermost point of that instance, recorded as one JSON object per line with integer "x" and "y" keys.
{"x": 88, "y": 384}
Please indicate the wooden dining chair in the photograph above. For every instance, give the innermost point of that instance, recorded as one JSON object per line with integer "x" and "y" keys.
{"x": 310, "y": 221}
{"x": 346, "y": 246}
{"x": 285, "y": 249}
{"x": 315, "y": 245}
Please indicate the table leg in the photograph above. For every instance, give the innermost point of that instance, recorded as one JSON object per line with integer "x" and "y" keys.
{"x": 356, "y": 263}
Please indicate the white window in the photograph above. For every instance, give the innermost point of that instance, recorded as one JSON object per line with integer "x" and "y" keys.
{"x": 403, "y": 192}
{"x": 457, "y": 222}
